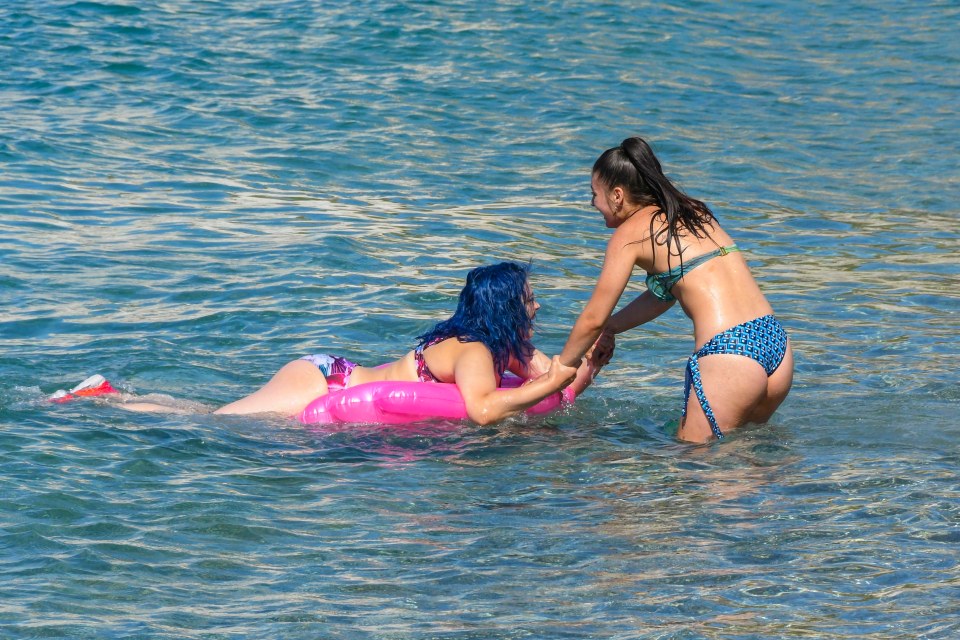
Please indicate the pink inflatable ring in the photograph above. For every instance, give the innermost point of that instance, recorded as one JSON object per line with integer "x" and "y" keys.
{"x": 403, "y": 402}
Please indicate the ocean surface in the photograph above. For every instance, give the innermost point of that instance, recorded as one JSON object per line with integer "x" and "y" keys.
{"x": 194, "y": 192}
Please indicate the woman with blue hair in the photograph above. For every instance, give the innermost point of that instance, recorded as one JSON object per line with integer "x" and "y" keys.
{"x": 489, "y": 334}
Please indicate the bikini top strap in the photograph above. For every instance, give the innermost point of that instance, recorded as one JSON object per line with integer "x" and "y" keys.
{"x": 661, "y": 283}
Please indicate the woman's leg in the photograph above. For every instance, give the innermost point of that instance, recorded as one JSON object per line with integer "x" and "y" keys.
{"x": 291, "y": 389}
{"x": 156, "y": 407}
{"x": 778, "y": 386}
{"x": 734, "y": 386}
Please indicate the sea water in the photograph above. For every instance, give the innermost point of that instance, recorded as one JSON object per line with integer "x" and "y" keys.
{"x": 194, "y": 192}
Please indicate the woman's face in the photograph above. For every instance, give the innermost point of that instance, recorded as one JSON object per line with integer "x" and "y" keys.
{"x": 532, "y": 307}
{"x": 605, "y": 201}
{"x": 531, "y": 302}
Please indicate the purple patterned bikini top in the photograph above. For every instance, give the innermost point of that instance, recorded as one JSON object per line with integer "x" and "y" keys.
{"x": 423, "y": 371}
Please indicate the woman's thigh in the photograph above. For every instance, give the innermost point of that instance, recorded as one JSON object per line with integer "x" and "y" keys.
{"x": 291, "y": 389}
{"x": 734, "y": 387}
{"x": 778, "y": 386}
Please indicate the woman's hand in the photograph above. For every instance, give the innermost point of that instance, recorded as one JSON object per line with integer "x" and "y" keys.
{"x": 603, "y": 349}
{"x": 560, "y": 375}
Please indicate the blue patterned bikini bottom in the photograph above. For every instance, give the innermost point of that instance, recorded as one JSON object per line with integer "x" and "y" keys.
{"x": 762, "y": 339}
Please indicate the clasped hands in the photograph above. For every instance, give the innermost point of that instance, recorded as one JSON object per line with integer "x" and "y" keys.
{"x": 602, "y": 350}
{"x": 598, "y": 356}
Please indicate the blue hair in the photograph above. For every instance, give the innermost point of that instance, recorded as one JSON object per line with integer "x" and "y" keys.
{"x": 492, "y": 309}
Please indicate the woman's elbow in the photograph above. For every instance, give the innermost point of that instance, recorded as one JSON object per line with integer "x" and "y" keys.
{"x": 485, "y": 416}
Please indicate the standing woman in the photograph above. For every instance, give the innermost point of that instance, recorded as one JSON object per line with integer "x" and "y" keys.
{"x": 742, "y": 366}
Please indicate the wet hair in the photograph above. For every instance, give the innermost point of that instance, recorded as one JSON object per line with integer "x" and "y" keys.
{"x": 492, "y": 309}
{"x": 633, "y": 167}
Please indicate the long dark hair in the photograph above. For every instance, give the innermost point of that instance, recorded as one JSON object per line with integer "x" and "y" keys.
{"x": 492, "y": 309}
{"x": 633, "y": 167}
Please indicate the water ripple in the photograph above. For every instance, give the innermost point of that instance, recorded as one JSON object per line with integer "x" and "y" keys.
{"x": 194, "y": 193}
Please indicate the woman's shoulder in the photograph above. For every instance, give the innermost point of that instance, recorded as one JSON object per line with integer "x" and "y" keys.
{"x": 453, "y": 350}
{"x": 634, "y": 241}
{"x": 445, "y": 357}
{"x": 455, "y": 345}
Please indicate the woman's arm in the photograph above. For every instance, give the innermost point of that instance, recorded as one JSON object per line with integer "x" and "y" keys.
{"x": 538, "y": 365}
{"x": 485, "y": 403}
{"x": 617, "y": 267}
{"x": 641, "y": 309}
{"x": 586, "y": 372}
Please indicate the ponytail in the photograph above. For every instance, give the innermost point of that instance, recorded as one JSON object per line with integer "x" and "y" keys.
{"x": 634, "y": 167}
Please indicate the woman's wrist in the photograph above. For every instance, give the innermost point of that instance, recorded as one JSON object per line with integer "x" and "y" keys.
{"x": 612, "y": 327}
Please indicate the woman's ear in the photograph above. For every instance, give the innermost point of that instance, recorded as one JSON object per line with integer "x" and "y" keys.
{"x": 617, "y": 193}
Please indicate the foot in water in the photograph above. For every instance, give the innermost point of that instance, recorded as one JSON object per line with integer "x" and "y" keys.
{"x": 95, "y": 385}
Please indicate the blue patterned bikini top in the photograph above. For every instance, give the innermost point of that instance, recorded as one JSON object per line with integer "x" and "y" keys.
{"x": 660, "y": 284}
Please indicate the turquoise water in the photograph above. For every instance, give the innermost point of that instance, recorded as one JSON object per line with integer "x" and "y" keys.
{"x": 193, "y": 193}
